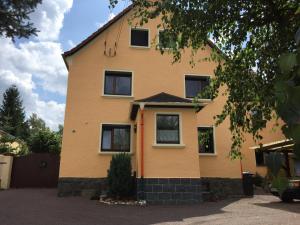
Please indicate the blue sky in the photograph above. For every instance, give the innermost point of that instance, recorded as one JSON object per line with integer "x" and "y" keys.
{"x": 35, "y": 65}
{"x": 84, "y": 18}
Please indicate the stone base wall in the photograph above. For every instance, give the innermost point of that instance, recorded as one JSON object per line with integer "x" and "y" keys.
{"x": 87, "y": 187}
{"x": 169, "y": 190}
{"x": 220, "y": 188}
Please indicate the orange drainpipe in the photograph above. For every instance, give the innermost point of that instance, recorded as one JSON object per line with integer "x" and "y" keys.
{"x": 142, "y": 141}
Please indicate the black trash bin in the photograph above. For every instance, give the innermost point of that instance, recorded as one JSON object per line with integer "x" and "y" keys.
{"x": 248, "y": 184}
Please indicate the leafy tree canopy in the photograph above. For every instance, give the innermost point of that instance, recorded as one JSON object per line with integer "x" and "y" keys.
{"x": 36, "y": 124}
{"x": 12, "y": 114}
{"x": 14, "y": 18}
{"x": 259, "y": 64}
{"x": 45, "y": 141}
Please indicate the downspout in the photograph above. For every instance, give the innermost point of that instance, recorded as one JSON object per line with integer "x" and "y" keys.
{"x": 142, "y": 105}
{"x": 142, "y": 140}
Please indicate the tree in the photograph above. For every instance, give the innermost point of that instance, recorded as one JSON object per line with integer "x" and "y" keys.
{"x": 119, "y": 176}
{"x": 12, "y": 115}
{"x": 251, "y": 38}
{"x": 36, "y": 124}
{"x": 15, "y": 18}
{"x": 45, "y": 141}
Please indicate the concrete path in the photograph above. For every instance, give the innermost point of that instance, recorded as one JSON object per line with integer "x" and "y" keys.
{"x": 42, "y": 207}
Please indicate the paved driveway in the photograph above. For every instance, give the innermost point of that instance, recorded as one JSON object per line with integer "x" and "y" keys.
{"x": 42, "y": 207}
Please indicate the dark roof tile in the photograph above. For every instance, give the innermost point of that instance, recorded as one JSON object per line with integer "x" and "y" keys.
{"x": 164, "y": 97}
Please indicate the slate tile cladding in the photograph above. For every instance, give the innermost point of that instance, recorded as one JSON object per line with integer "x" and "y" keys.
{"x": 81, "y": 186}
{"x": 169, "y": 190}
{"x": 222, "y": 188}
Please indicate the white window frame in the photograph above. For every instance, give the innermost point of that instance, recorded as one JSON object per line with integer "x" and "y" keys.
{"x": 214, "y": 136}
{"x": 117, "y": 96}
{"x": 195, "y": 75}
{"x": 137, "y": 46}
{"x": 110, "y": 152}
{"x": 158, "y": 47}
{"x": 158, "y": 145}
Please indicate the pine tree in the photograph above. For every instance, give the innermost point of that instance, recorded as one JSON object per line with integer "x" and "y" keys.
{"x": 12, "y": 114}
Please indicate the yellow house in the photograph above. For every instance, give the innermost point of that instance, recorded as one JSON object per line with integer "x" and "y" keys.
{"x": 124, "y": 96}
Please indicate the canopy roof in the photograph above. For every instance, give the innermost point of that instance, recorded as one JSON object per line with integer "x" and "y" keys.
{"x": 277, "y": 146}
{"x": 162, "y": 100}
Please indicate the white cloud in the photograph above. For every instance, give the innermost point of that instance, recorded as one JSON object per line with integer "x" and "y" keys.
{"x": 48, "y": 18}
{"x": 110, "y": 16}
{"x": 71, "y": 43}
{"x": 51, "y": 111}
{"x": 38, "y": 63}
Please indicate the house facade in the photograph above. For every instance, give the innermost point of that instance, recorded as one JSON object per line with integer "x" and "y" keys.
{"x": 125, "y": 96}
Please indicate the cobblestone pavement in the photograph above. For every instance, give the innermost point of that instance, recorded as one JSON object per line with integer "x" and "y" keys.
{"x": 42, "y": 207}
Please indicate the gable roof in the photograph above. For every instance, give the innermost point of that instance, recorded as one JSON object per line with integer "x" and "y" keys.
{"x": 164, "y": 97}
{"x": 106, "y": 26}
{"x": 162, "y": 100}
{"x": 98, "y": 32}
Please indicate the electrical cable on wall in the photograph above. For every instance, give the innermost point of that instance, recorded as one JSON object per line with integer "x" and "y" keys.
{"x": 109, "y": 53}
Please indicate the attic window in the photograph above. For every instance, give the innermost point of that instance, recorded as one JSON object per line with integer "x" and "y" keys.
{"x": 139, "y": 37}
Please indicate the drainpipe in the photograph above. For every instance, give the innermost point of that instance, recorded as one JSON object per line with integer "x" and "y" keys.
{"x": 142, "y": 105}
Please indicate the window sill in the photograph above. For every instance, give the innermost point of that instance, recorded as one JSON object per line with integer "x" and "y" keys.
{"x": 139, "y": 47}
{"x": 117, "y": 96}
{"x": 168, "y": 145}
{"x": 208, "y": 100}
{"x": 208, "y": 154}
{"x": 113, "y": 153}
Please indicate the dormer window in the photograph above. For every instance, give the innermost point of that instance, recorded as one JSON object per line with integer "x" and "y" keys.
{"x": 139, "y": 37}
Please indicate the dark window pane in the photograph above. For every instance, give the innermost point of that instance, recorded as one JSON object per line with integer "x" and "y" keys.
{"x": 121, "y": 139}
{"x": 194, "y": 85}
{"x": 109, "y": 85}
{"x": 123, "y": 85}
{"x": 139, "y": 37}
{"x": 117, "y": 83}
{"x": 260, "y": 158}
{"x": 106, "y": 139}
{"x": 206, "y": 140}
{"x": 115, "y": 138}
{"x": 167, "y": 129}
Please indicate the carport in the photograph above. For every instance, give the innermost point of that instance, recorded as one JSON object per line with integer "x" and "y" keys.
{"x": 285, "y": 147}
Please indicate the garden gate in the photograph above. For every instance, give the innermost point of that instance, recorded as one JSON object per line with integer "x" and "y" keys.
{"x": 38, "y": 170}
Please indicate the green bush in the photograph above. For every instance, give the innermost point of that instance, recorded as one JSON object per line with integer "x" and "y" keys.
{"x": 45, "y": 141}
{"x": 119, "y": 176}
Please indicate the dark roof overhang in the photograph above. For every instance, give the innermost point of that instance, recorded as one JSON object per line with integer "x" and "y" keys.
{"x": 95, "y": 34}
{"x": 162, "y": 100}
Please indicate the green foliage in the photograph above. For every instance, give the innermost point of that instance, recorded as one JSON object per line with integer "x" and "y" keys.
{"x": 280, "y": 183}
{"x": 274, "y": 162}
{"x": 119, "y": 176}
{"x": 45, "y": 141}
{"x": 12, "y": 114}
{"x": 36, "y": 124}
{"x": 6, "y": 143}
{"x": 254, "y": 37}
{"x": 15, "y": 20}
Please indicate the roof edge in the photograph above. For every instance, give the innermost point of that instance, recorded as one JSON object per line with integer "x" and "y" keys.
{"x": 96, "y": 33}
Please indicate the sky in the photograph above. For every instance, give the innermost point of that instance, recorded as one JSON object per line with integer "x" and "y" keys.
{"x": 35, "y": 65}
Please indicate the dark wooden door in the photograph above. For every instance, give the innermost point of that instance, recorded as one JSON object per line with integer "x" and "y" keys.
{"x": 38, "y": 170}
